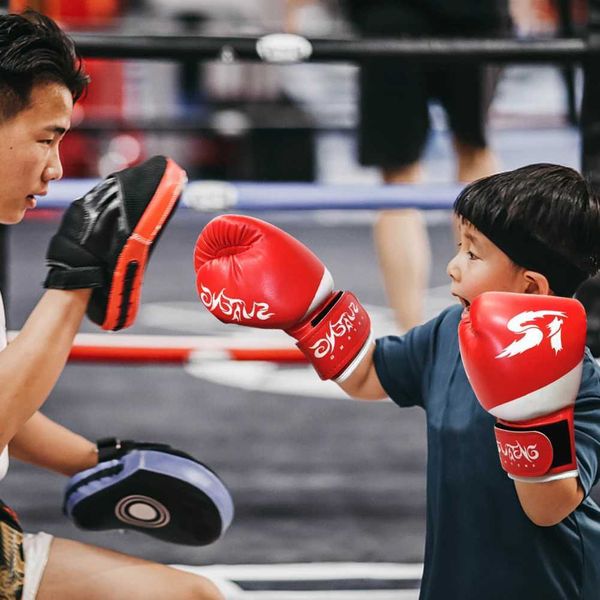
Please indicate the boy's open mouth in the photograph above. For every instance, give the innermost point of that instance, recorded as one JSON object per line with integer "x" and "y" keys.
{"x": 466, "y": 304}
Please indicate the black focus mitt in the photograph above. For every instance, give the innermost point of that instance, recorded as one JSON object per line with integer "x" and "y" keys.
{"x": 151, "y": 488}
{"x": 105, "y": 238}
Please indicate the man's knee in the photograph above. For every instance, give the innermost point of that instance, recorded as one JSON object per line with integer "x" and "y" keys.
{"x": 201, "y": 588}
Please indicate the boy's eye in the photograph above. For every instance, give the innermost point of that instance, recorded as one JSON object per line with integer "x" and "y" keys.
{"x": 471, "y": 255}
{"x": 47, "y": 142}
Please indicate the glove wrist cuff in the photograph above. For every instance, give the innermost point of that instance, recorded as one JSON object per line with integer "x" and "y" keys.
{"x": 355, "y": 361}
{"x": 539, "y": 449}
{"x": 333, "y": 340}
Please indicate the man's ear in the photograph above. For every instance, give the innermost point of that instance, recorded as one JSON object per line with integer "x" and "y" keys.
{"x": 536, "y": 283}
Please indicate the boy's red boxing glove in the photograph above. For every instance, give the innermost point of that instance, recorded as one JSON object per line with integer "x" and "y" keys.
{"x": 523, "y": 356}
{"x": 249, "y": 272}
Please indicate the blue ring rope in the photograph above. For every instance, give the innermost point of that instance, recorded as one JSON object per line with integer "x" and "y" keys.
{"x": 212, "y": 196}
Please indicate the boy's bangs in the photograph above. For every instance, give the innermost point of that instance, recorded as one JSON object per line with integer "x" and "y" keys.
{"x": 483, "y": 213}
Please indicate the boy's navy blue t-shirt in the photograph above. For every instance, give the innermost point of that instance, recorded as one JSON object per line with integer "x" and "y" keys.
{"x": 479, "y": 542}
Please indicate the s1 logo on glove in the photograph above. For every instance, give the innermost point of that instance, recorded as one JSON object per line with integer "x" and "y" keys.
{"x": 523, "y": 355}
{"x": 529, "y": 325}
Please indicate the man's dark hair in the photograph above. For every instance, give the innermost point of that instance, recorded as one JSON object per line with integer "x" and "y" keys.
{"x": 34, "y": 50}
{"x": 550, "y": 205}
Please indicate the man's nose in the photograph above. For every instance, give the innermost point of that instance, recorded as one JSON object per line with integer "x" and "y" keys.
{"x": 53, "y": 170}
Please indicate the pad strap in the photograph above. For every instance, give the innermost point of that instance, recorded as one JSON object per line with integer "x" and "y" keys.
{"x": 74, "y": 278}
{"x": 110, "y": 448}
{"x": 541, "y": 449}
{"x": 335, "y": 336}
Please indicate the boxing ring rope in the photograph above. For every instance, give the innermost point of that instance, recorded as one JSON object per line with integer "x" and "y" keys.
{"x": 172, "y": 350}
{"x": 290, "y": 48}
{"x": 210, "y": 196}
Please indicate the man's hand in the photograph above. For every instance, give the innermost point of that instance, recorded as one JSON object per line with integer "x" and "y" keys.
{"x": 151, "y": 488}
{"x": 106, "y": 237}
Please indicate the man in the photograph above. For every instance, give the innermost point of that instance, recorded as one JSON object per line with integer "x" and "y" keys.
{"x": 41, "y": 78}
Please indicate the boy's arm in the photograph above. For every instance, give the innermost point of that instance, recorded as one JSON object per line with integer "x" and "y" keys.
{"x": 251, "y": 273}
{"x": 42, "y": 442}
{"x": 364, "y": 383}
{"x": 33, "y": 361}
{"x": 548, "y": 503}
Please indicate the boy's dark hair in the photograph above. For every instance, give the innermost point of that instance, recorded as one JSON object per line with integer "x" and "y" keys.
{"x": 34, "y": 50}
{"x": 542, "y": 214}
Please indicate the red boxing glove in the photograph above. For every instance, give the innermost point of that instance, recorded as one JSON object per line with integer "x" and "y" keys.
{"x": 523, "y": 355}
{"x": 250, "y": 272}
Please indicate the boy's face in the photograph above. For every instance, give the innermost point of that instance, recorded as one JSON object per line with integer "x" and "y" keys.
{"x": 480, "y": 266}
{"x": 29, "y": 144}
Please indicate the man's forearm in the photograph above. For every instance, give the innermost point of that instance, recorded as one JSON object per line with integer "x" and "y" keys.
{"x": 44, "y": 443}
{"x": 33, "y": 361}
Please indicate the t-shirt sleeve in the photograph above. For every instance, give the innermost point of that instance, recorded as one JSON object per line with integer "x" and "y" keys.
{"x": 587, "y": 424}
{"x": 403, "y": 364}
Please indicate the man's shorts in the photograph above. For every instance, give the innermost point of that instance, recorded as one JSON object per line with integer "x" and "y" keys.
{"x": 395, "y": 94}
{"x": 23, "y": 558}
{"x": 37, "y": 551}
{"x": 12, "y": 558}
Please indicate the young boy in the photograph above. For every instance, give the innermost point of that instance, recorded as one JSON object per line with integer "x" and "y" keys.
{"x": 40, "y": 79}
{"x": 534, "y": 233}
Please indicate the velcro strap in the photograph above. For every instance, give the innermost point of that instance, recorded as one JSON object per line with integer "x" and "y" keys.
{"x": 74, "y": 278}
{"x": 335, "y": 336}
{"x": 110, "y": 448}
{"x": 557, "y": 428}
{"x": 524, "y": 453}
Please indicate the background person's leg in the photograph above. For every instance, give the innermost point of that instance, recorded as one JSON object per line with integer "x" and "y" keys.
{"x": 466, "y": 92}
{"x": 402, "y": 246}
{"x": 394, "y": 124}
{"x": 474, "y": 162}
{"x": 78, "y": 571}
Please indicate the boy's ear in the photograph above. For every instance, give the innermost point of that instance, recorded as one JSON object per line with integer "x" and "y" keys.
{"x": 536, "y": 283}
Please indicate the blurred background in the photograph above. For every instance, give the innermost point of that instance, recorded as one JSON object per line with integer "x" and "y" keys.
{"x": 229, "y": 120}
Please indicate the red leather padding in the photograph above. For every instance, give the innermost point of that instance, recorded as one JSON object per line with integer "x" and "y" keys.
{"x": 524, "y": 453}
{"x": 333, "y": 342}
